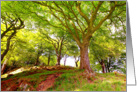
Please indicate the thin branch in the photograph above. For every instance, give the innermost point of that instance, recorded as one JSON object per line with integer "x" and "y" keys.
{"x": 76, "y": 30}
{"x": 93, "y": 17}
{"x": 118, "y": 14}
{"x": 120, "y": 4}
{"x": 93, "y": 4}
{"x": 77, "y": 20}
{"x": 106, "y": 17}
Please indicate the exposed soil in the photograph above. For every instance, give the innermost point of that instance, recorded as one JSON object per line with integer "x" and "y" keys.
{"x": 34, "y": 72}
{"x": 49, "y": 82}
{"x": 6, "y": 85}
{"x": 22, "y": 84}
{"x": 14, "y": 84}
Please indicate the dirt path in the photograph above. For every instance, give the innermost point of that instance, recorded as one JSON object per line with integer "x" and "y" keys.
{"x": 49, "y": 82}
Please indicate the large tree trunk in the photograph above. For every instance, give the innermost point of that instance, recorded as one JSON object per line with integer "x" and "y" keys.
{"x": 48, "y": 59}
{"x": 4, "y": 66}
{"x": 84, "y": 59}
{"x": 58, "y": 59}
{"x": 103, "y": 66}
{"x": 8, "y": 45}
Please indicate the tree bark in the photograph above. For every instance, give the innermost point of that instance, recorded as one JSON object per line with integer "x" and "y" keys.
{"x": 37, "y": 60}
{"x": 106, "y": 69}
{"x": 58, "y": 59}
{"x": 108, "y": 64}
{"x": 103, "y": 66}
{"x": 76, "y": 61}
{"x": 65, "y": 58}
{"x": 8, "y": 45}
{"x": 4, "y": 66}
{"x": 12, "y": 26}
{"x": 48, "y": 59}
{"x": 58, "y": 49}
{"x": 4, "y": 33}
{"x": 84, "y": 59}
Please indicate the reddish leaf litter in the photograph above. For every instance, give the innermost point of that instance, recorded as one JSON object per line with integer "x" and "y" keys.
{"x": 49, "y": 82}
{"x": 51, "y": 68}
{"x": 13, "y": 85}
{"x": 23, "y": 84}
{"x": 34, "y": 72}
{"x": 88, "y": 76}
{"x": 5, "y": 85}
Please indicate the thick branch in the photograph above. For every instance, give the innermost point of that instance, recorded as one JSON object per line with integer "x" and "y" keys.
{"x": 61, "y": 45}
{"x": 7, "y": 29}
{"x": 13, "y": 26}
{"x": 81, "y": 13}
{"x": 76, "y": 30}
{"x": 8, "y": 45}
{"x": 105, "y": 18}
{"x": 93, "y": 17}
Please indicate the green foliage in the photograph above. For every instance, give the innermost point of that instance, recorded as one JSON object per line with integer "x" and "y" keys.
{"x": 103, "y": 47}
{"x": 77, "y": 22}
{"x": 58, "y": 28}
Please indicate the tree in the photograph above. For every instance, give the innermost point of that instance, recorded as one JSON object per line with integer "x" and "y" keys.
{"x": 80, "y": 19}
{"x": 58, "y": 42}
{"x": 65, "y": 58}
{"x": 106, "y": 50}
{"x": 11, "y": 25}
{"x": 74, "y": 51}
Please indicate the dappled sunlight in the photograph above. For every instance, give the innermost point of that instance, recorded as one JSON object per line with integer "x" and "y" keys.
{"x": 4, "y": 76}
{"x": 14, "y": 72}
{"x": 17, "y": 71}
{"x": 115, "y": 80}
{"x": 20, "y": 70}
{"x": 77, "y": 90}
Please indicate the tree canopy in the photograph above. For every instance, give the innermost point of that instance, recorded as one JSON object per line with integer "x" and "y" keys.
{"x": 40, "y": 31}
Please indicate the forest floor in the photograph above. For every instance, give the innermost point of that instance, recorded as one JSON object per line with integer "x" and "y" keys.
{"x": 61, "y": 78}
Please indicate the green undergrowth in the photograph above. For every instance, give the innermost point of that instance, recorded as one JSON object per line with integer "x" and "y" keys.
{"x": 101, "y": 82}
{"x": 73, "y": 80}
{"x": 106, "y": 82}
{"x": 67, "y": 81}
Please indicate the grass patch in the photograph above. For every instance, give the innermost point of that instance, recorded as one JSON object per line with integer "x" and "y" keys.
{"x": 67, "y": 81}
{"x": 72, "y": 80}
{"x": 101, "y": 82}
